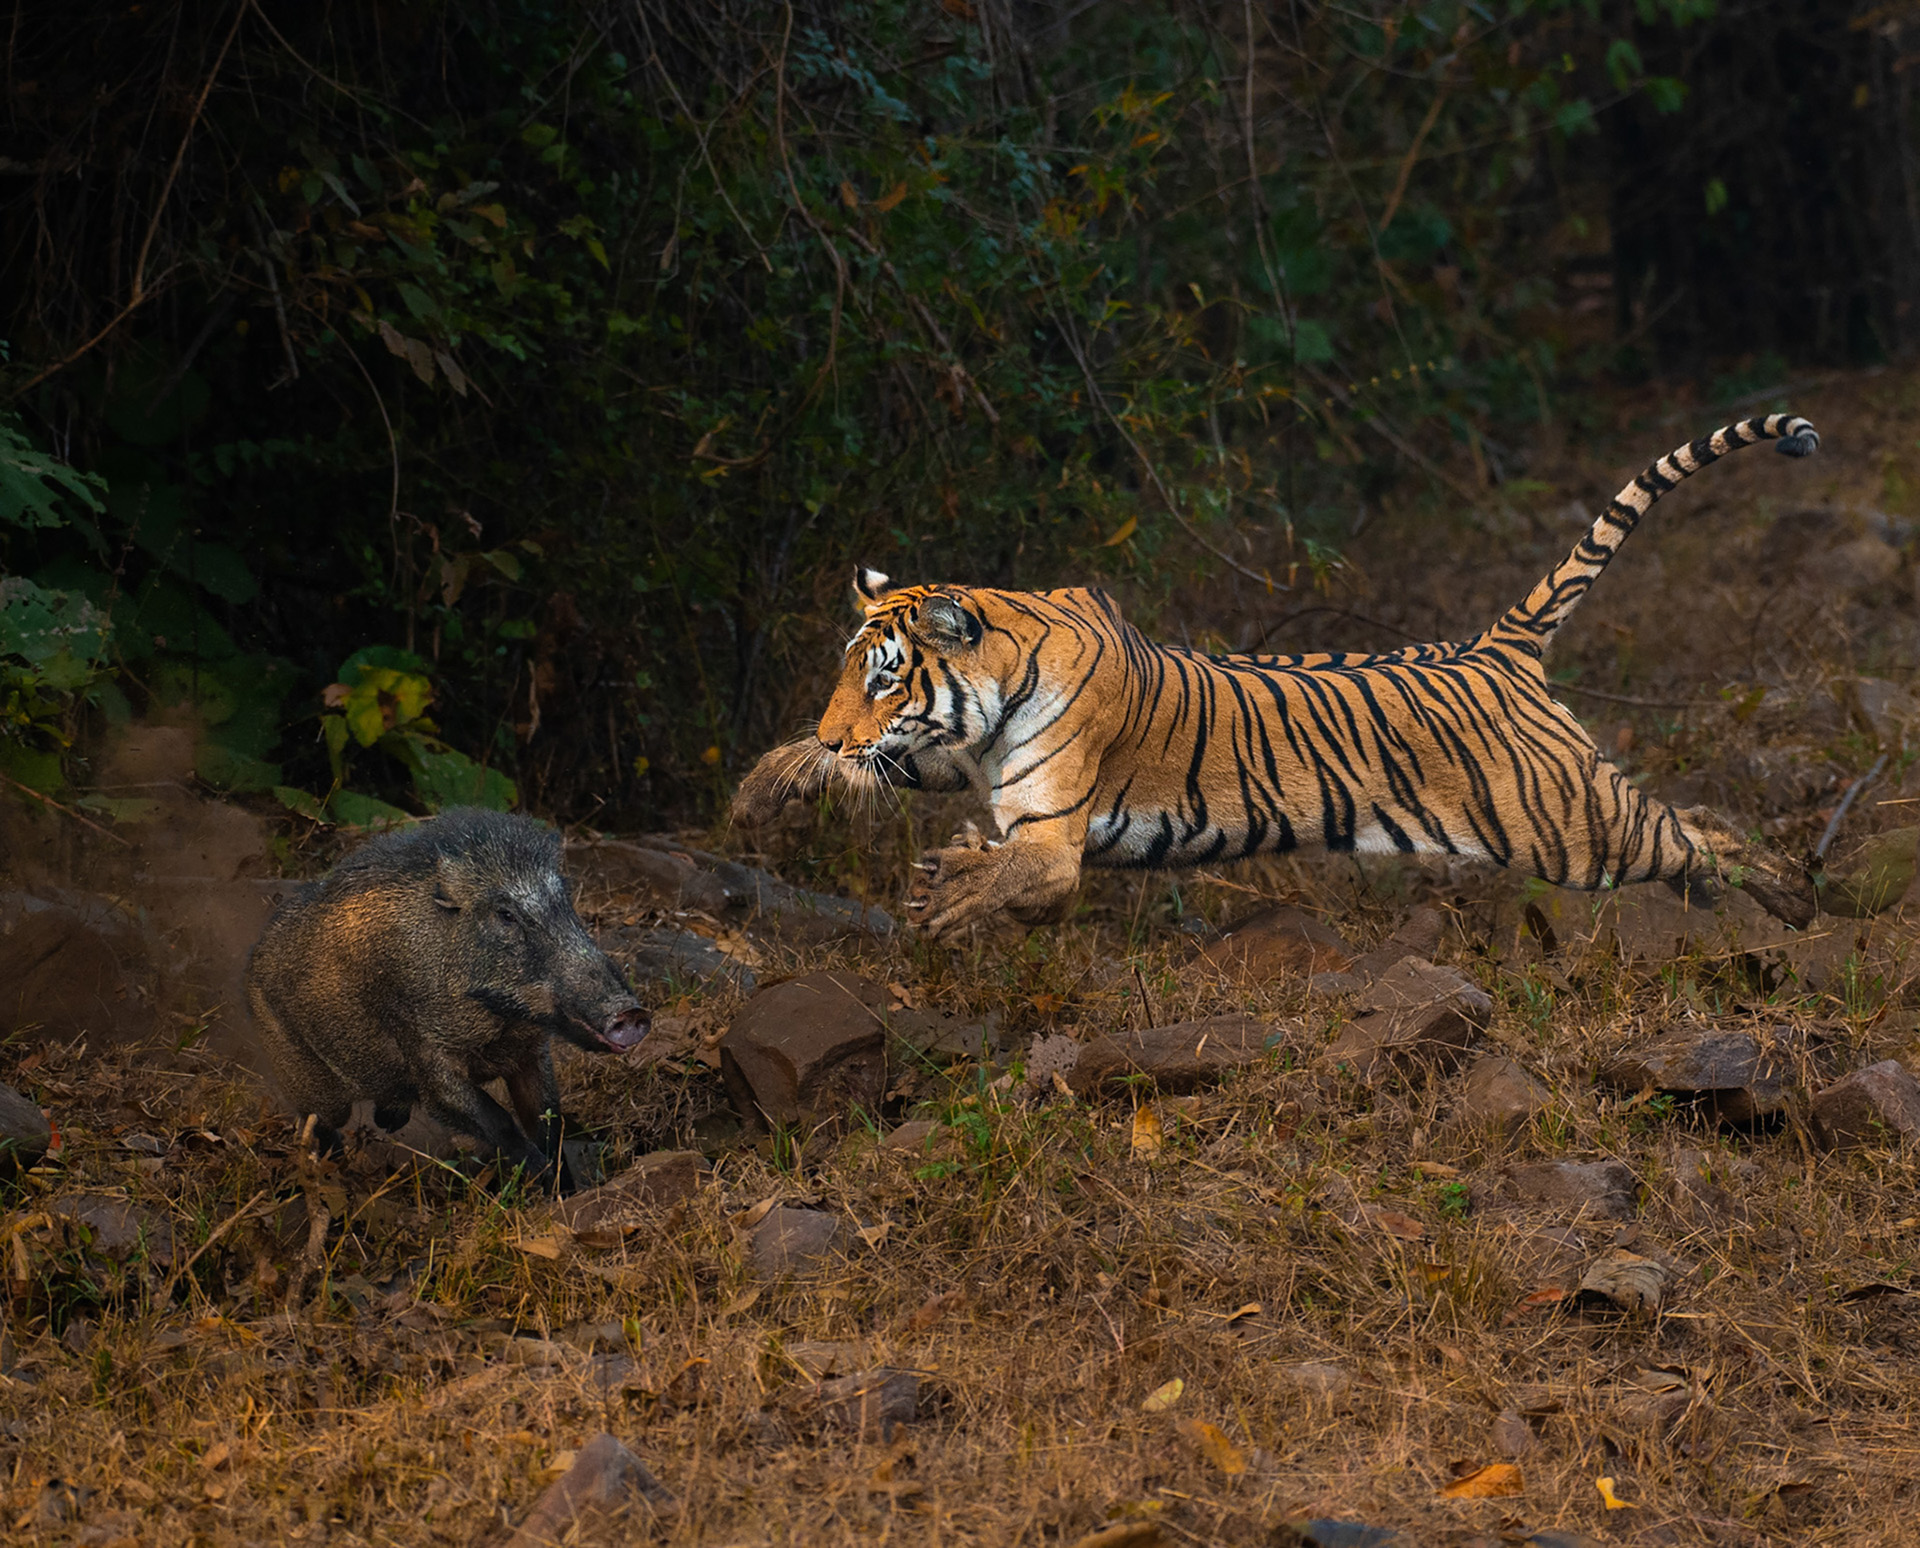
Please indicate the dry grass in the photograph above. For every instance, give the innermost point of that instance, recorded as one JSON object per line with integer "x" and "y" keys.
{"x": 417, "y": 1386}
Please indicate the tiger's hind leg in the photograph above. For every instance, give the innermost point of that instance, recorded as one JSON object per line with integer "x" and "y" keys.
{"x": 1774, "y": 882}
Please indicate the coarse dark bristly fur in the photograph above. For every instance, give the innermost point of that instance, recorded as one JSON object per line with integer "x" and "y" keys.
{"x": 1093, "y": 745}
{"x": 428, "y": 962}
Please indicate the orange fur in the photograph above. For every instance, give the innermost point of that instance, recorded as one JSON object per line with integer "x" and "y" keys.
{"x": 1092, "y": 745}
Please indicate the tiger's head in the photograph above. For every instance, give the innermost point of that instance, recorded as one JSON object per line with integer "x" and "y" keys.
{"x": 918, "y": 674}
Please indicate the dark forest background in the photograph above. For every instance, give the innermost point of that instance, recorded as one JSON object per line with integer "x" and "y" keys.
{"x": 489, "y": 401}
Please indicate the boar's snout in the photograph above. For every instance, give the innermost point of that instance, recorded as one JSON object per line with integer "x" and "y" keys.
{"x": 625, "y": 1029}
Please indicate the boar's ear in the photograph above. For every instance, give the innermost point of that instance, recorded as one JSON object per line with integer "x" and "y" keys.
{"x": 945, "y": 623}
{"x": 869, "y": 584}
{"x": 452, "y": 886}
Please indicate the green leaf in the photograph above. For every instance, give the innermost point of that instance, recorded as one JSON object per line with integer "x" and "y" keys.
{"x": 1623, "y": 63}
{"x": 301, "y": 804}
{"x": 31, "y": 482}
{"x": 1310, "y": 342}
{"x": 353, "y": 810}
{"x": 43, "y": 627}
{"x": 451, "y": 778}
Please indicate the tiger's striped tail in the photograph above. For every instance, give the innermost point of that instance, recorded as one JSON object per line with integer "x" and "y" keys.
{"x": 1530, "y": 626}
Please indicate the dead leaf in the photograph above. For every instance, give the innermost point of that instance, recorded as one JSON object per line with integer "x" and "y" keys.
{"x": 1251, "y": 1309}
{"x": 873, "y": 1236}
{"x": 1163, "y": 1397}
{"x": 1060, "y": 1086}
{"x": 539, "y": 1247}
{"x": 1612, "y": 1500}
{"x": 1495, "y": 1481}
{"x": 741, "y": 1302}
{"x": 1512, "y": 1435}
{"x": 559, "y": 1463}
{"x": 217, "y": 1455}
{"x": 891, "y": 197}
{"x": 848, "y": 197}
{"x": 747, "y": 1219}
{"x": 902, "y": 997}
{"x": 1403, "y": 1227}
{"x": 933, "y": 1309}
{"x": 1148, "y": 1135}
{"x": 1125, "y": 530}
{"x": 1436, "y": 1169}
{"x": 1122, "y": 1534}
{"x": 1211, "y": 1442}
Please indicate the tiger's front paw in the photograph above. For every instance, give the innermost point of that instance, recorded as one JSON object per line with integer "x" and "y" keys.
{"x": 954, "y": 888}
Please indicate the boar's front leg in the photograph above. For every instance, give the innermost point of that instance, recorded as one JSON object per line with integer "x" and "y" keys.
{"x": 451, "y": 1097}
{"x": 534, "y": 1091}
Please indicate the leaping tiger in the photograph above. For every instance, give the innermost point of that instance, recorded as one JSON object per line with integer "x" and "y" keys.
{"x": 1093, "y": 745}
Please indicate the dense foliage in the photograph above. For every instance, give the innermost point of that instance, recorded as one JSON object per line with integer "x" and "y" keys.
{"x": 500, "y": 394}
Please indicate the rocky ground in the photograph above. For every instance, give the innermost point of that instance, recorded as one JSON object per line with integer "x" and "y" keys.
{"x": 1306, "y": 1202}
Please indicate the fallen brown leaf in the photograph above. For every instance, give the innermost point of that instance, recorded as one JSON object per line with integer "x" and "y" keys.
{"x": 1495, "y": 1481}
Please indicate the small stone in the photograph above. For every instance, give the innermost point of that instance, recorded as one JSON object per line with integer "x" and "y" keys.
{"x": 1694, "y": 1191}
{"x": 792, "y": 1240}
{"x": 1624, "y": 1280}
{"x": 1854, "y": 567}
{"x": 871, "y": 1403}
{"x": 606, "y": 1481}
{"x": 1277, "y": 943}
{"x": 1512, "y": 1435}
{"x": 1590, "y": 1188}
{"x": 941, "y": 1034}
{"x": 1050, "y": 1057}
{"x": 1886, "y": 709}
{"x": 674, "y": 954}
{"x": 1744, "y": 1074}
{"x": 1879, "y": 1105}
{"x": 1176, "y": 1058}
{"x": 1501, "y": 1095}
{"x": 1874, "y": 876}
{"x": 820, "y": 1358}
{"x": 24, "y": 1133}
{"x": 116, "y": 1228}
{"x": 1318, "y": 1377}
{"x": 663, "y": 1177}
{"x": 1418, "y": 935}
{"x": 1418, "y": 1015}
{"x": 808, "y": 1051}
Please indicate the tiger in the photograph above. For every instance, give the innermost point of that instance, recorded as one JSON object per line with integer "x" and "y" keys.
{"x": 1092, "y": 745}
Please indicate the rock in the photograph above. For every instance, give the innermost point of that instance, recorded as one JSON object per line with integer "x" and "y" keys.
{"x": 1590, "y": 1188}
{"x": 1695, "y": 1192}
{"x": 674, "y": 955}
{"x": 871, "y": 1403}
{"x": 1744, "y": 1075}
{"x": 1886, "y": 709}
{"x": 1500, "y": 1095}
{"x": 25, "y": 1133}
{"x": 1175, "y": 1058}
{"x": 808, "y": 1051}
{"x": 1417, "y": 1015}
{"x": 821, "y": 1358}
{"x": 606, "y": 1481}
{"x": 1879, "y": 1105}
{"x": 788, "y": 1241}
{"x": 1625, "y": 1281}
{"x": 1048, "y": 1057}
{"x": 72, "y": 964}
{"x": 1418, "y": 935}
{"x": 1324, "y": 1532}
{"x": 1875, "y": 874}
{"x": 117, "y": 1228}
{"x": 1277, "y": 943}
{"x": 939, "y": 1034}
{"x": 664, "y": 1177}
{"x": 1853, "y": 567}
{"x": 669, "y": 874}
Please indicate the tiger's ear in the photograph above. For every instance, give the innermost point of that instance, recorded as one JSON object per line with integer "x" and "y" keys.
{"x": 870, "y": 584}
{"x": 944, "y": 622}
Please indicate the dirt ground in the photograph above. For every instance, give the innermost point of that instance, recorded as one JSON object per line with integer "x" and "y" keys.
{"x": 1298, "y": 1294}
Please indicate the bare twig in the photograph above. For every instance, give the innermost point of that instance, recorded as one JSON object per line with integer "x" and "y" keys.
{"x": 1413, "y": 155}
{"x": 139, "y": 292}
{"x": 1846, "y": 804}
{"x": 173, "y": 1279}
{"x": 47, "y": 800}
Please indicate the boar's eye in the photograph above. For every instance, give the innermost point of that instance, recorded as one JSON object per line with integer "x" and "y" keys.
{"x": 506, "y": 916}
{"x": 443, "y": 901}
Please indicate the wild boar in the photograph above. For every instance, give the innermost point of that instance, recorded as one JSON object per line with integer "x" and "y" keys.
{"x": 427, "y": 963}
